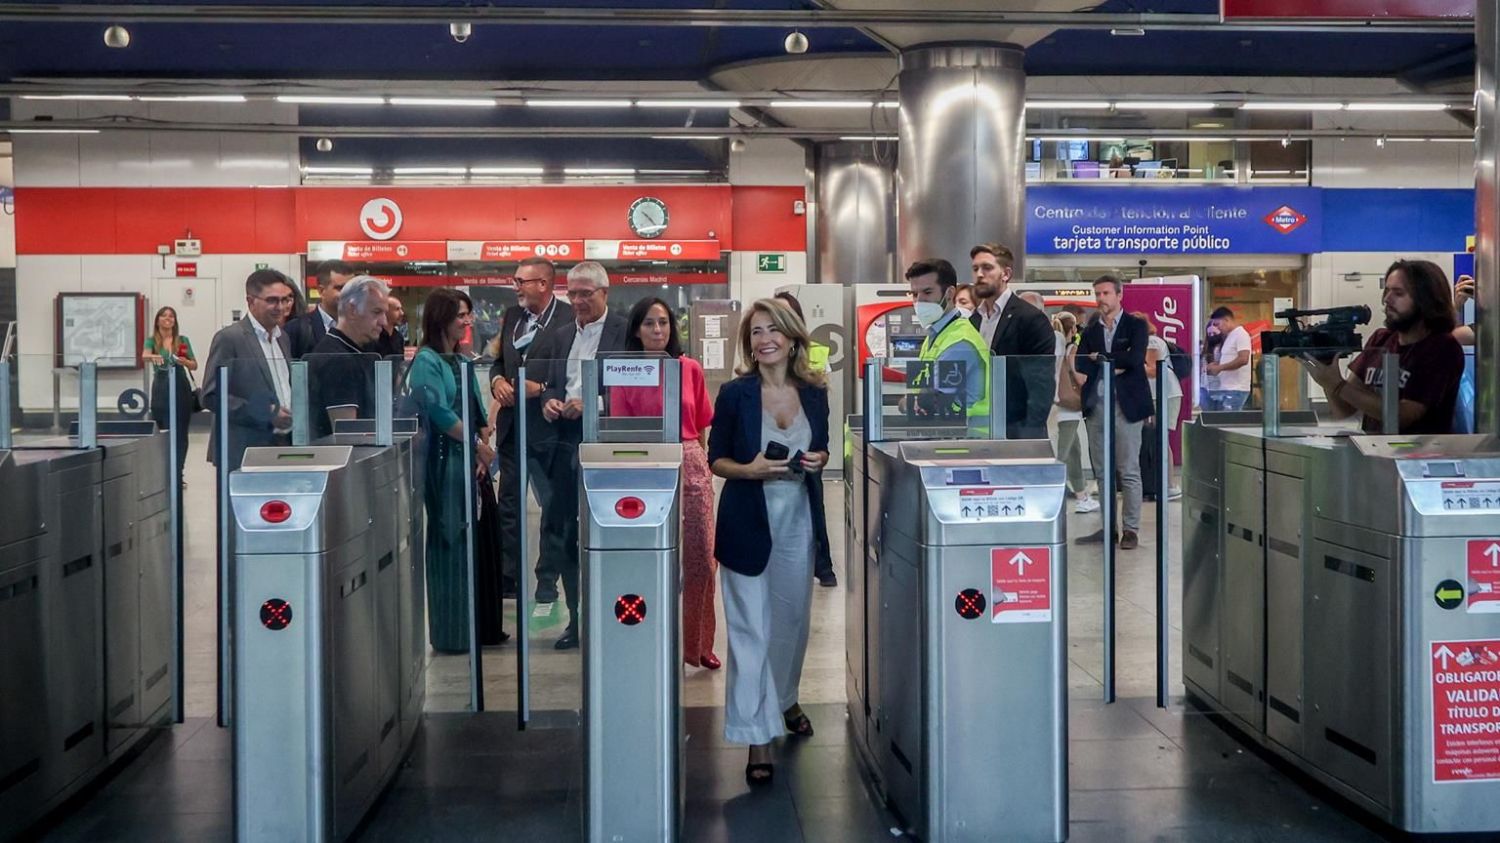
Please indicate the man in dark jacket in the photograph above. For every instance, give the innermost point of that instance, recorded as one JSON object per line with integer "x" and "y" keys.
{"x": 1020, "y": 332}
{"x": 523, "y": 329}
{"x": 591, "y": 333}
{"x": 306, "y": 330}
{"x": 340, "y": 374}
{"x": 1118, "y": 340}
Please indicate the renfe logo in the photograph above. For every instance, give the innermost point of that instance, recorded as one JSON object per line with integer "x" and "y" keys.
{"x": 380, "y": 219}
{"x": 1285, "y": 219}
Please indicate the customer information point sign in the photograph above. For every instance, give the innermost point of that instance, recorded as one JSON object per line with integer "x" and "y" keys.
{"x": 1197, "y": 220}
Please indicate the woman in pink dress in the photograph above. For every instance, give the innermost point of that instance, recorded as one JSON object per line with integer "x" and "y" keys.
{"x": 653, "y": 330}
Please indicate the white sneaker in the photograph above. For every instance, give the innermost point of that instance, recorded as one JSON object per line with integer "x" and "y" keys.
{"x": 1174, "y": 493}
{"x": 1084, "y": 505}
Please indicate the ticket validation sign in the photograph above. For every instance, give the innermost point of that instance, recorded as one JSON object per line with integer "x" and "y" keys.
{"x": 1465, "y": 710}
{"x": 1020, "y": 585}
{"x": 1484, "y": 575}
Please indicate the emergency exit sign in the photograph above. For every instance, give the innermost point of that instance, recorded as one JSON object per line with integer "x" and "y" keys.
{"x": 770, "y": 262}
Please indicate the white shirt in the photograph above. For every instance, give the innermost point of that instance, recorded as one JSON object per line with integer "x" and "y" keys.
{"x": 327, "y": 320}
{"x": 1174, "y": 386}
{"x": 1235, "y": 379}
{"x": 585, "y": 347}
{"x": 281, "y": 376}
{"x": 990, "y": 320}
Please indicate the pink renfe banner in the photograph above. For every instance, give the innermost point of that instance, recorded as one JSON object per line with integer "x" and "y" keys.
{"x": 1349, "y": 9}
{"x": 1172, "y": 307}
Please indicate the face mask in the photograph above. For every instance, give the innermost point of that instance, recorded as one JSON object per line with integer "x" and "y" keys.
{"x": 966, "y": 312}
{"x": 929, "y": 312}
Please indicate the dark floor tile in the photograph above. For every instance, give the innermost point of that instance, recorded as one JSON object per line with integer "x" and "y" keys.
{"x": 208, "y": 743}
{"x": 759, "y": 817}
{"x": 1090, "y": 720}
{"x": 843, "y": 820}
{"x": 440, "y": 815}
{"x": 822, "y": 772}
{"x": 717, "y": 774}
{"x": 151, "y": 827}
{"x": 529, "y": 777}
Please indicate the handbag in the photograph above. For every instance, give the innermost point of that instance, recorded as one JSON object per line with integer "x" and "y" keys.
{"x": 1069, "y": 395}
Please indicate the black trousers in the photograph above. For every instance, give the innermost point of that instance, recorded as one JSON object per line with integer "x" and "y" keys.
{"x": 560, "y": 522}
{"x": 539, "y": 473}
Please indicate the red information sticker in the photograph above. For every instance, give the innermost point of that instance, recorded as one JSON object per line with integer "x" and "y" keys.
{"x": 1484, "y": 575}
{"x": 1020, "y": 585}
{"x": 1465, "y": 710}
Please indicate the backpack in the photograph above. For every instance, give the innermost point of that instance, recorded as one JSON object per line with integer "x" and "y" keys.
{"x": 1182, "y": 364}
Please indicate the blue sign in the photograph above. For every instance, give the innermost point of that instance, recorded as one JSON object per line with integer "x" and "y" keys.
{"x": 1067, "y": 220}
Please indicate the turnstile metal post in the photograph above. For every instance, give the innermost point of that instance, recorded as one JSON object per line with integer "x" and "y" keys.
{"x": 476, "y": 662}
{"x": 1108, "y": 516}
{"x": 1390, "y": 394}
{"x": 385, "y": 408}
{"x": 88, "y": 404}
{"x": 302, "y": 405}
{"x": 174, "y": 509}
{"x": 523, "y": 553}
{"x": 1164, "y": 427}
{"x": 5, "y": 437}
{"x": 630, "y": 517}
{"x": 997, "y": 387}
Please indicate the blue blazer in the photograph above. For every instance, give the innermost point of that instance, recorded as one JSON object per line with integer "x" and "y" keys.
{"x": 742, "y": 532}
{"x": 1132, "y": 390}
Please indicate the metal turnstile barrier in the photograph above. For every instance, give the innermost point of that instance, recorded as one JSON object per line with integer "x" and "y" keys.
{"x": 956, "y": 626}
{"x": 632, "y": 658}
{"x": 1339, "y": 609}
{"x": 326, "y": 605}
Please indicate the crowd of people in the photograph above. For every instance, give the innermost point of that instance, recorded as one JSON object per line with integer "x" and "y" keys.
{"x": 765, "y": 434}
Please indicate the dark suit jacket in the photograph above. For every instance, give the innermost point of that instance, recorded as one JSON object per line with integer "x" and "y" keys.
{"x": 1128, "y": 353}
{"x": 389, "y": 344}
{"x": 338, "y": 373}
{"x": 305, "y": 332}
{"x": 252, "y": 392}
{"x": 508, "y": 366}
{"x": 742, "y": 531}
{"x": 552, "y": 359}
{"x": 1024, "y": 336}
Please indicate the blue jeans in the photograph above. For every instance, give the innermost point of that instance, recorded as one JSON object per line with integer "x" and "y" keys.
{"x": 1227, "y": 399}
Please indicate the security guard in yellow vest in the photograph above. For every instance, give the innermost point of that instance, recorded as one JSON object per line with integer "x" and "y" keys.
{"x": 950, "y": 338}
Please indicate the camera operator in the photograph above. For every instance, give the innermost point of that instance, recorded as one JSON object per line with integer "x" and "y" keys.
{"x": 1419, "y": 324}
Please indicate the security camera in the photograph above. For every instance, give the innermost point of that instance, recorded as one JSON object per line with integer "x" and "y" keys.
{"x": 796, "y": 43}
{"x": 460, "y": 31}
{"x": 325, "y": 145}
{"x": 117, "y": 37}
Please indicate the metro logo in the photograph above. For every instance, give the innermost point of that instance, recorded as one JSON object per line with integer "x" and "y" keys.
{"x": 1285, "y": 219}
{"x": 380, "y": 219}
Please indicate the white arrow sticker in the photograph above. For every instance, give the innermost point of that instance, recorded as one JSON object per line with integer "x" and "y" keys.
{"x": 1021, "y": 560}
{"x": 1493, "y": 552}
{"x": 1445, "y": 654}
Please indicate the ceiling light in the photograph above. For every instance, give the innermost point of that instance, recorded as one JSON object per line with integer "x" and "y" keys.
{"x": 339, "y": 171}
{"x": 688, "y": 137}
{"x": 579, "y": 103}
{"x": 53, "y": 131}
{"x": 429, "y": 171}
{"x": 1380, "y": 142}
{"x": 79, "y": 97}
{"x": 454, "y": 102}
{"x": 460, "y": 30}
{"x": 324, "y": 144}
{"x": 1292, "y": 106}
{"x": 688, "y": 103}
{"x": 301, "y": 99}
{"x": 674, "y": 172}
{"x": 1397, "y": 106}
{"x": 1286, "y": 141}
{"x": 796, "y": 43}
{"x": 117, "y": 37}
{"x": 598, "y": 171}
{"x": 1134, "y": 31}
{"x": 193, "y": 98}
{"x": 822, "y": 104}
{"x": 888, "y": 104}
{"x": 506, "y": 171}
{"x": 1451, "y": 140}
{"x": 1066, "y": 138}
{"x": 865, "y": 138}
{"x": 1166, "y": 105}
{"x": 737, "y": 145}
{"x": 1076, "y": 105}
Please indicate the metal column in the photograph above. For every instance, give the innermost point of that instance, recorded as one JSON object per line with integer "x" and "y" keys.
{"x": 1487, "y": 217}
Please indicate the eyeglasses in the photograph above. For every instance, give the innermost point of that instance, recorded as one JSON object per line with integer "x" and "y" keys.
{"x": 276, "y": 301}
{"x": 581, "y": 294}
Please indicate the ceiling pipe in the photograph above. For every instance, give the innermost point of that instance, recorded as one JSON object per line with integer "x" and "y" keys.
{"x": 785, "y": 19}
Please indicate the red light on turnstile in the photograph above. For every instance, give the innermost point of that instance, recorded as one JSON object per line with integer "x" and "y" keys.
{"x": 275, "y": 512}
{"x": 969, "y": 604}
{"x": 275, "y": 614}
{"x": 630, "y": 507}
{"x": 630, "y": 609}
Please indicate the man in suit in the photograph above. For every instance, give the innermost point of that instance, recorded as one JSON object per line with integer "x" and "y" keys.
{"x": 1020, "y": 332}
{"x": 339, "y": 371}
{"x": 306, "y": 331}
{"x": 255, "y": 351}
{"x": 1118, "y": 340}
{"x": 523, "y": 328}
{"x": 592, "y": 332}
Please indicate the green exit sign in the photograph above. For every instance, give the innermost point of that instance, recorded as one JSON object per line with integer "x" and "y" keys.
{"x": 766, "y": 262}
{"x": 261, "y": 266}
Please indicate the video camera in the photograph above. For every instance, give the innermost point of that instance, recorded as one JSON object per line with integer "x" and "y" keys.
{"x": 1323, "y": 341}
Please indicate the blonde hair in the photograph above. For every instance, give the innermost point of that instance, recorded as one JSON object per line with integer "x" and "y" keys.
{"x": 791, "y": 326}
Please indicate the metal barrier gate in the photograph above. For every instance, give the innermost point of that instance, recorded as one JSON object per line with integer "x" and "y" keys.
{"x": 957, "y": 687}
{"x": 631, "y": 641}
{"x": 327, "y": 682}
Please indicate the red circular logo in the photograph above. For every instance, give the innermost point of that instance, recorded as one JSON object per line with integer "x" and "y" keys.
{"x": 631, "y": 507}
{"x": 275, "y": 512}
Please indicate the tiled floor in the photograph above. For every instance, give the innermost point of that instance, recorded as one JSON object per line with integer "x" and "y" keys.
{"x": 1137, "y": 773}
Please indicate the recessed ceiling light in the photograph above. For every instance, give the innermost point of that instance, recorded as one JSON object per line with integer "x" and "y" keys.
{"x": 506, "y": 171}
{"x": 445, "y": 102}
{"x": 339, "y": 171}
{"x": 599, "y": 171}
{"x": 429, "y": 171}
{"x": 688, "y": 103}
{"x": 79, "y": 97}
{"x": 584, "y": 103}
{"x": 235, "y": 98}
{"x": 1292, "y": 106}
{"x": 53, "y": 131}
{"x": 823, "y": 104}
{"x": 1166, "y": 105}
{"x": 301, "y": 99}
{"x": 866, "y": 138}
{"x": 1075, "y": 105}
{"x": 1398, "y": 106}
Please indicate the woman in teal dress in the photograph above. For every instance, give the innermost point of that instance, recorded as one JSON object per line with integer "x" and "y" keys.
{"x": 433, "y": 384}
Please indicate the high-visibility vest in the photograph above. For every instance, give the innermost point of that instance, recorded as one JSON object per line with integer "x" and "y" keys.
{"x": 960, "y": 330}
{"x": 817, "y": 356}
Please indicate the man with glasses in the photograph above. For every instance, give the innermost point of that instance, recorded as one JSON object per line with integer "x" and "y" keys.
{"x": 522, "y": 329}
{"x": 593, "y": 331}
{"x": 308, "y": 329}
{"x": 256, "y": 352}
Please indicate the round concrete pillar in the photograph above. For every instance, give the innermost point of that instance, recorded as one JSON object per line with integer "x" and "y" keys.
{"x": 962, "y": 173}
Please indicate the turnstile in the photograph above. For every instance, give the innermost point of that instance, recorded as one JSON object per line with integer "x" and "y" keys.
{"x": 1346, "y": 594}
{"x": 956, "y": 622}
{"x": 326, "y": 591}
{"x": 631, "y": 642}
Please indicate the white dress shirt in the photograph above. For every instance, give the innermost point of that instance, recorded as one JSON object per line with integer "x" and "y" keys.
{"x": 281, "y": 376}
{"x": 990, "y": 320}
{"x": 327, "y": 320}
{"x": 585, "y": 347}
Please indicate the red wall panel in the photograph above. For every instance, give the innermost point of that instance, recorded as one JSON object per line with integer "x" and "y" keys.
{"x": 65, "y": 221}
{"x": 764, "y": 219}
